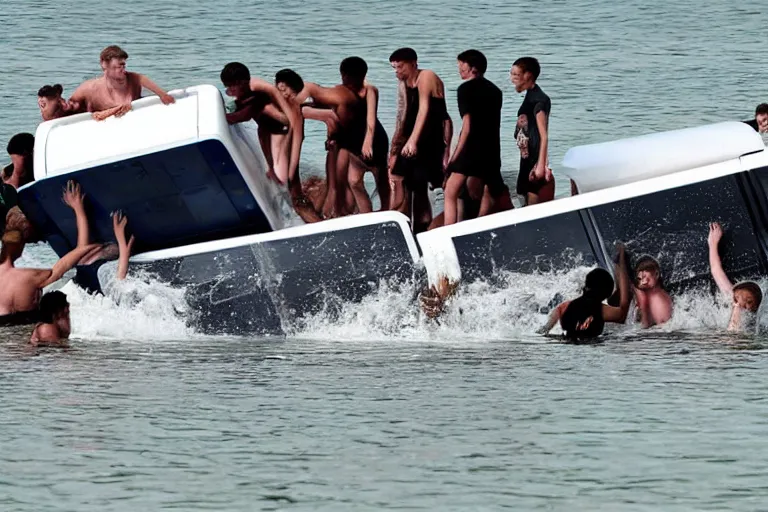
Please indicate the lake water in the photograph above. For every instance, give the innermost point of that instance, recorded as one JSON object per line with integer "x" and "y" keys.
{"x": 380, "y": 409}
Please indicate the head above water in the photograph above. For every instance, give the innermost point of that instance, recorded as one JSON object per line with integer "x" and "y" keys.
{"x": 289, "y": 83}
{"x": 524, "y": 73}
{"x": 49, "y": 100}
{"x": 647, "y": 273}
{"x": 112, "y": 59}
{"x": 12, "y": 246}
{"x": 599, "y": 284}
{"x": 405, "y": 63}
{"x": 748, "y": 295}
{"x": 54, "y": 306}
{"x": 236, "y": 77}
{"x": 472, "y": 63}
{"x": 353, "y": 71}
{"x": 761, "y": 116}
{"x": 21, "y": 144}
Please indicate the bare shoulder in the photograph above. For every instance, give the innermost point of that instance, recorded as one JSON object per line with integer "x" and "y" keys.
{"x": 46, "y": 333}
{"x": 428, "y": 80}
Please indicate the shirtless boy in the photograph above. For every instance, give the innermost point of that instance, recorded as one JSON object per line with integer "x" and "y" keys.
{"x": 20, "y": 288}
{"x": 54, "y": 327}
{"x": 745, "y": 296}
{"x": 653, "y": 303}
{"x": 112, "y": 93}
{"x": 360, "y": 140}
{"x": 419, "y": 153}
{"x": 51, "y": 104}
{"x": 281, "y": 131}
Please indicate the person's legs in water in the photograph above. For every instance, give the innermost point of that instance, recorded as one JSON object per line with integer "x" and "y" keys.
{"x": 357, "y": 171}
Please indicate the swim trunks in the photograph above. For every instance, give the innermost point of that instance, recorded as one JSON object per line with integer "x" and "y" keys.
{"x": 20, "y": 318}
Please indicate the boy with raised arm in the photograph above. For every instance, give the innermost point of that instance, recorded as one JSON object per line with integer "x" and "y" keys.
{"x": 20, "y": 288}
{"x": 112, "y": 93}
{"x": 746, "y": 296}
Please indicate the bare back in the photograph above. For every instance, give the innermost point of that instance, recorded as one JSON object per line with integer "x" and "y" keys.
{"x": 98, "y": 94}
{"x": 21, "y": 290}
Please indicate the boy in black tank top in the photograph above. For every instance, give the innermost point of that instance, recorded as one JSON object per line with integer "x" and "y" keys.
{"x": 360, "y": 140}
{"x": 419, "y": 150}
{"x": 280, "y": 132}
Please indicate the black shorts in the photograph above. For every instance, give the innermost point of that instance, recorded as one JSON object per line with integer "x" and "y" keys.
{"x": 20, "y": 318}
{"x": 482, "y": 168}
{"x": 424, "y": 168}
{"x": 524, "y": 185}
{"x": 353, "y": 142}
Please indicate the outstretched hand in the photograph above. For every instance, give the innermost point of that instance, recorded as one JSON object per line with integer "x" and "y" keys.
{"x": 73, "y": 196}
{"x": 119, "y": 222}
{"x": 167, "y": 99}
{"x": 715, "y": 234}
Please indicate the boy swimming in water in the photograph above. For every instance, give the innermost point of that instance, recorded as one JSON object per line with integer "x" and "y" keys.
{"x": 55, "y": 327}
{"x": 746, "y": 296}
{"x": 653, "y": 302}
{"x": 585, "y": 316}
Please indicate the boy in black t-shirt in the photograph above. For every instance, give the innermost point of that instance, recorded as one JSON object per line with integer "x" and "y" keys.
{"x": 532, "y": 133}
{"x": 476, "y": 160}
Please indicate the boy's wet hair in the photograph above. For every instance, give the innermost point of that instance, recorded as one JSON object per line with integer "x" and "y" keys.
{"x": 21, "y": 144}
{"x": 290, "y": 78}
{"x": 112, "y": 52}
{"x": 51, "y": 304}
{"x": 598, "y": 284}
{"x": 529, "y": 65}
{"x": 50, "y": 91}
{"x": 761, "y": 109}
{"x": 354, "y": 69}
{"x": 752, "y": 288}
{"x": 474, "y": 59}
{"x": 403, "y": 55}
{"x": 235, "y": 72}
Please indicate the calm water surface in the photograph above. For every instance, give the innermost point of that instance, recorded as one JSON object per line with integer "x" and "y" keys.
{"x": 376, "y": 411}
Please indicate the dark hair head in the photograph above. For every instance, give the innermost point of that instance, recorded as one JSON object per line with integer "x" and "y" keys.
{"x": 474, "y": 59}
{"x": 50, "y": 91}
{"x": 754, "y": 289}
{"x": 529, "y": 65}
{"x": 234, "y": 72}
{"x": 51, "y": 304}
{"x": 21, "y": 144}
{"x": 290, "y": 78}
{"x": 761, "y": 109}
{"x": 598, "y": 284}
{"x": 353, "y": 70}
{"x": 112, "y": 52}
{"x": 403, "y": 55}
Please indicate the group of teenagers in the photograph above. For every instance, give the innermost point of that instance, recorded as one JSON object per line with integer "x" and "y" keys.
{"x": 419, "y": 158}
{"x": 605, "y": 300}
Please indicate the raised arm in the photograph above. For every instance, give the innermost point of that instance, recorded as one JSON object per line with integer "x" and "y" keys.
{"x": 426, "y": 85}
{"x": 146, "y": 83}
{"x": 619, "y": 315}
{"x": 715, "y": 265}
{"x": 119, "y": 221}
{"x": 73, "y": 197}
{"x": 372, "y": 107}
